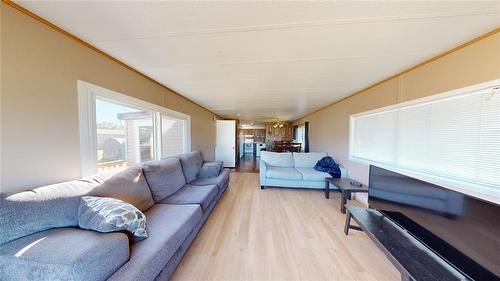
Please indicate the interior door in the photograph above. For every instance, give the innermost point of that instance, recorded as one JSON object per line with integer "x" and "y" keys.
{"x": 225, "y": 143}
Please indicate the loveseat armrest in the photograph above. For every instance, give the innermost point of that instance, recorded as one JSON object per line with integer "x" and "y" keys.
{"x": 262, "y": 173}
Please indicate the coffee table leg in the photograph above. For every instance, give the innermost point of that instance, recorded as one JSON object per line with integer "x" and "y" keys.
{"x": 347, "y": 223}
{"x": 327, "y": 190}
{"x": 343, "y": 200}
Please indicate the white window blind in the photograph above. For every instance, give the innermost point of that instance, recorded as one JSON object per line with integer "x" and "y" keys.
{"x": 454, "y": 136}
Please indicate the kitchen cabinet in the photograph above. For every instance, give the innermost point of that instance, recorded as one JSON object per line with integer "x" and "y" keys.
{"x": 259, "y": 135}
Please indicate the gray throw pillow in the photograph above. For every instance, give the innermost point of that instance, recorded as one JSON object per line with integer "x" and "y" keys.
{"x": 209, "y": 170}
{"x": 104, "y": 214}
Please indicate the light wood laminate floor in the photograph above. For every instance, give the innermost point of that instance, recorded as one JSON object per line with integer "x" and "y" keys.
{"x": 280, "y": 234}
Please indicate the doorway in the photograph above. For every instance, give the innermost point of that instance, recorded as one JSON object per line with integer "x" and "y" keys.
{"x": 225, "y": 143}
{"x": 249, "y": 163}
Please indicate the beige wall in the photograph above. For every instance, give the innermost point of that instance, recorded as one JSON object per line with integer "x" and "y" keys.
{"x": 39, "y": 114}
{"x": 329, "y": 127}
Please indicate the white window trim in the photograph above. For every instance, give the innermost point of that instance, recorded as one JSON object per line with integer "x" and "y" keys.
{"x": 87, "y": 94}
{"x": 480, "y": 191}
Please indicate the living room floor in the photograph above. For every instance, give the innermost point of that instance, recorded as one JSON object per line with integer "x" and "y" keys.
{"x": 280, "y": 234}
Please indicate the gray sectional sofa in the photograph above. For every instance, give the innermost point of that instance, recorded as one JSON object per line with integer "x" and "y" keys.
{"x": 40, "y": 238}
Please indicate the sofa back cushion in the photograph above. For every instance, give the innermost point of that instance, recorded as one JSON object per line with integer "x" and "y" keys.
{"x": 46, "y": 207}
{"x": 165, "y": 177}
{"x": 275, "y": 159}
{"x": 128, "y": 185}
{"x": 191, "y": 163}
{"x": 307, "y": 160}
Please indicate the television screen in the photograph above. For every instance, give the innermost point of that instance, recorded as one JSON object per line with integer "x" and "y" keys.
{"x": 463, "y": 230}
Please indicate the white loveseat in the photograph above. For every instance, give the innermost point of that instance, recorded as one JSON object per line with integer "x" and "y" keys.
{"x": 294, "y": 170}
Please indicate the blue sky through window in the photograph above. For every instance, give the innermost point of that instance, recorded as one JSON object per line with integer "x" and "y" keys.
{"x": 108, "y": 111}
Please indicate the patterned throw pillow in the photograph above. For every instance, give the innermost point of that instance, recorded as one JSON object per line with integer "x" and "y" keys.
{"x": 104, "y": 214}
{"x": 209, "y": 170}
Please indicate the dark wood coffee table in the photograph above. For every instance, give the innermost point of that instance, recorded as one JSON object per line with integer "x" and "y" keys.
{"x": 345, "y": 187}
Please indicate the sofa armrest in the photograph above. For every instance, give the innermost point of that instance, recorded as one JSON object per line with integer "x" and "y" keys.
{"x": 262, "y": 172}
{"x": 343, "y": 172}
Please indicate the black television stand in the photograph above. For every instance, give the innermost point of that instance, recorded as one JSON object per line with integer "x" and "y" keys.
{"x": 412, "y": 258}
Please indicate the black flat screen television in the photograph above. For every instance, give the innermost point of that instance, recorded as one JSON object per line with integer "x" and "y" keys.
{"x": 463, "y": 230}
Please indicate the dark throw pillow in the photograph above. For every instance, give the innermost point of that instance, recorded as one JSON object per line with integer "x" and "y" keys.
{"x": 104, "y": 214}
{"x": 328, "y": 165}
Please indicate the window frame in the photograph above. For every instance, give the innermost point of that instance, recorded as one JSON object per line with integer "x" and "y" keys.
{"x": 476, "y": 190}
{"x": 87, "y": 95}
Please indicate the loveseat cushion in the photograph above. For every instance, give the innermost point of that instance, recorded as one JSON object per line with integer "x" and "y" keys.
{"x": 219, "y": 181}
{"x": 165, "y": 177}
{"x": 129, "y": 185}
{"x": 309, "y": 174}
{"x": 63, "y": 254}
{"x": 43, "y": 208}
{"x": 283, "y": 173}
{"x": 193, "y": 194}
{"x": 275, "y": 159}
{"x": 307, "y": 160}
{"x": 168, "y": 226}
{"x": 191, "y": 163}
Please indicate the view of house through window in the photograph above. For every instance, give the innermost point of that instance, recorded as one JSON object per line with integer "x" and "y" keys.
{"x": 172, "y": 136}
{"x": 117, "y": 130}
{"x": 124, "y": 135}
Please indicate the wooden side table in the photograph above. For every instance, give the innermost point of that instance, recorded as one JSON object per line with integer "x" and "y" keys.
{"x": 345, "y": 187}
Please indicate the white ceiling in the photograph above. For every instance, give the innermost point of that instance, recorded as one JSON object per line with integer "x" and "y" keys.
{"x": 270, "y": 59}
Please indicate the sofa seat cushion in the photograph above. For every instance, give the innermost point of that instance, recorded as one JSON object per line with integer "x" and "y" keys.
{"x": 283, "y": 173}
{"x": 191, "y": 163}
{"x": 64, "y": 254}
{"x": 168, "y": 227}
{"x": 309, "y": 174}
{"x": 164, "y": 177}
{"x": 193, "y": 194}
{"x": 219, "y": 181}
